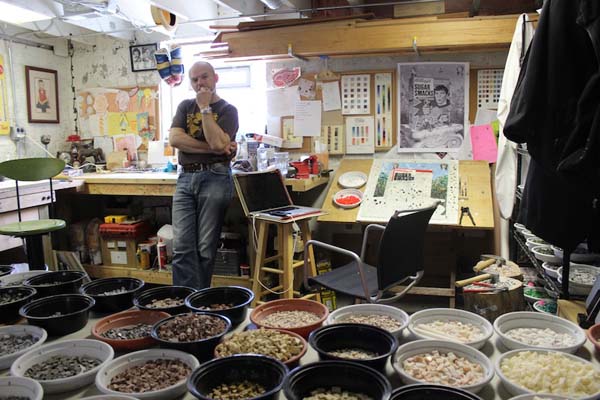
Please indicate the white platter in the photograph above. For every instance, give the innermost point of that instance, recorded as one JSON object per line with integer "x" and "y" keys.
{"x": 352, "y": 179}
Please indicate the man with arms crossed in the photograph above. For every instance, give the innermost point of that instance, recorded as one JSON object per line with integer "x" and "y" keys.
{"x": 203, "y": 130}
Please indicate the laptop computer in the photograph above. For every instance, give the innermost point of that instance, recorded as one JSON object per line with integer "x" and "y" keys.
{"x": 264, "y": 195}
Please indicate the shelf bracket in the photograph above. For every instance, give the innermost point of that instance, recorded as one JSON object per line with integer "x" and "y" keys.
{"x": 291, "y": 53}
{"x": 415, "y": 47}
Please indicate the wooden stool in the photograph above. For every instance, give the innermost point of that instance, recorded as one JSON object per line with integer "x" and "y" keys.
{"x": 285, "y": 257}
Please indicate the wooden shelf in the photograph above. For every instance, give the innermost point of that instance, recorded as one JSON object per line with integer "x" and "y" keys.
{"x": 358, "y": 37}
{"x": 304, "y": 185}
{"x": 163, "y": 278}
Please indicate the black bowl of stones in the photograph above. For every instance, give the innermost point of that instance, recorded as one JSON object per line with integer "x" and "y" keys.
{"x": 128, "y": 330}
{"x": 194, "y": 333}
{"x": 230, "y": 301}
{"x": 169, "y": 299}
{"x": 252, "y": 376}
{"x": 57, "y": 282}
{"x": 360, "y": 343}
{"x": 60, "y": 314}
{"x": 338, "y": 379}
{"x": 428, "y": 392}
{"x": 64, "y": 365}
{"x": 5, "y": 269}
{"x": 11, "y": 300}
{"x": 112, "y": 294}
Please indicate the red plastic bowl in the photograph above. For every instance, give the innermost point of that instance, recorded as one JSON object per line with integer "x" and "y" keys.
{"x": 128, "y": 318}
{"x": 593, "y": 335}
{"x": 268, "y": 308}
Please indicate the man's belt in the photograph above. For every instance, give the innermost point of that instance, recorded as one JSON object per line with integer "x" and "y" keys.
{"x": 196, "y": 167}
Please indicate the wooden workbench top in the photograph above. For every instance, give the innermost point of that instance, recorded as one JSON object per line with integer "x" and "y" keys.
{"x": 473, "y": 175}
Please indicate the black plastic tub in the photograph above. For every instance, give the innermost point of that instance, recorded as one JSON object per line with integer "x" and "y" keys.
{"x": 237, "y": 296}
{"x": 354, "y": 336}
{"x": 59, "y": 315}
{"x": 100, "y": 290}
{"x": 9, "y": 311}
{"x": 142, "y": 300}
{"x": 6, "y": 269}
{"x": 265, "y": 371}
{"x": 346, "y": 375}
{"x": 430, "y": 392}
{"x": 57, "y": 282}
{"x": 202, "y": 349}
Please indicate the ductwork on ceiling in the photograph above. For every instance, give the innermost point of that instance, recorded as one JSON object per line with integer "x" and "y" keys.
{"x": 272, "y": 4}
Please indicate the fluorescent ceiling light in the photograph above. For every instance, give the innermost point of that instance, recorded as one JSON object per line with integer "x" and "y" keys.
{"x": 14, "y": 14}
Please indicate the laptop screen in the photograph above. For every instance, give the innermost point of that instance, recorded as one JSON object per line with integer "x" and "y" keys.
{"x": 262, "y": 191}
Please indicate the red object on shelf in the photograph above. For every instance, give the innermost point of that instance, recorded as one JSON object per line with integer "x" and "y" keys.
{"x": 73, "y": 138}
{"x": 303, "y": 170}
{"x": 129, "y": 231}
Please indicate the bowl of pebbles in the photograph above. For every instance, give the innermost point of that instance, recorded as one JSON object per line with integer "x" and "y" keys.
{"x": 109, "y": 397}
{"x": 57, "y": 282}
{"x": 581, "y": 278}
{"x": 295, "y": 315}
{"x": 128, "y": 330}
{"x": 428, "y": 391}
{"x": 392, "y": 319}
{"x": 363, "y": 344}
{"x": 17, "y": 279}
{"x": 18, "y": 388}
{"x": 112, "y": 294}
{"x": 194, "y": 333}
{"x": 59, "y": 315}
{"x": 169, "y": 299}
{"x": 64, "y": 365}
{"x": 244, "y": 376}
{"x": 153, "y": 374}
{"x": 12, "y": 299}
{"x": 336, "y": 380}
{"x": 16, "y": 340}
{"x": 287, "y": 347}
{"x": 230, "y": 301}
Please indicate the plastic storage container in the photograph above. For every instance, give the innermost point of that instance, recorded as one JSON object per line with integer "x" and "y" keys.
{"x": 262, "y": 158}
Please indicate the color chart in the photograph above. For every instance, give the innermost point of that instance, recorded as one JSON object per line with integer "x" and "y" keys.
{"x": 360, "y": 135}
{"x": 356, "y": 94}
{"x": 383, "y": 110}
{"x": 334, "y": 136}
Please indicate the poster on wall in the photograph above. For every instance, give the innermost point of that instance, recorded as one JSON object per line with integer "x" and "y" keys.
{"x": 4, "y": 123}
{"x": 433, "y": 112}
{"x": 407, "y": 185}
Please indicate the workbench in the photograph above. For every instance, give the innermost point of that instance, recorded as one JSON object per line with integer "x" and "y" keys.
{"x": 443, "y": 244}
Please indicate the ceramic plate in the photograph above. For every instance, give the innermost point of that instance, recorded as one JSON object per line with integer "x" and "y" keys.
{"x": 352, "y": 179}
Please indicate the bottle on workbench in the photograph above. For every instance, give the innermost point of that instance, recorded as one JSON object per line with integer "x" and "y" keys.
{"x": 262, "y": 158}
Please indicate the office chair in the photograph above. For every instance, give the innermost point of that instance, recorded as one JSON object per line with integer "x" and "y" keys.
{"x": 399, "y": 259}
{"x": 32, "y": 169}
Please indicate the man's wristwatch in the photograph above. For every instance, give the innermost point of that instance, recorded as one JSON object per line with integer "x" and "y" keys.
{"x": 206, "y": 110}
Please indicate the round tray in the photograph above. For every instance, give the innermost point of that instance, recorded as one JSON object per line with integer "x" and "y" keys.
{"x": 352, "y": 179}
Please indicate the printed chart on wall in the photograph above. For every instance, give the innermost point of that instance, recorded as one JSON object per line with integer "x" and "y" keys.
{"x": 403, "y": 185}
{"x": 383, "y": 110}
{"x": 356, "y": 94}
{"x": 433, "y": 112}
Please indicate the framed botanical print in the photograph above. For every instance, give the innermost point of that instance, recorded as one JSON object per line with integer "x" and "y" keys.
{"x": 42, "y": 95}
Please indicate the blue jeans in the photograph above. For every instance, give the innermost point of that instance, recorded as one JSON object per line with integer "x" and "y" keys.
{"x": 199, "y": 205}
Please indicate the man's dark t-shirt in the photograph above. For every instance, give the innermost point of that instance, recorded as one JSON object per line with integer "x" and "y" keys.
{"x": 189, "y": 118}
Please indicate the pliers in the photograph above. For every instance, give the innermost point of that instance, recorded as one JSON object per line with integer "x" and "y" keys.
{"x": 463, "y": 211}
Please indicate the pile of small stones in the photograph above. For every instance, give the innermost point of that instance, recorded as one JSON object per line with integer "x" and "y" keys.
{"x": 335, "y": 393}
{"x": 191, "y": 327}
{"x": 11, "y": 343}
{"x": 136, "y": 331}
{"x": 165, "y": 303}
{"x": 150, "y": 376}
{"x": 10, "y": 297}
{"x": 49, "y": 283}
{"x": 268, "y": 342}
{"x": 112, "y": 292}
{"x": 236, "y": 391}
{"x": 56, "y": 314}
{"x": 216, "y": 307}
{"x": 353, "y": 354}
{"x": 58, "y": 367}
{"x": 379, "y": 320}
{"x": 289, "y": 319}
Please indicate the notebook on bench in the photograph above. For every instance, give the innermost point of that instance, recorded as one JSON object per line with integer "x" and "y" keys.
{"x": 264, "y": 195}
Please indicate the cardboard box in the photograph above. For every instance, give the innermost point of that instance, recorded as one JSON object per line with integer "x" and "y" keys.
{"x": 119, "y": 251}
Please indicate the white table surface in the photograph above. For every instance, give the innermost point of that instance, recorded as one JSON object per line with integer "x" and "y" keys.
{"x": 493, "y": 348}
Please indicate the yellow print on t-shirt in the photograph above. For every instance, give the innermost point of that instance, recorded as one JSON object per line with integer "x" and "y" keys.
{"x": 194, "y": 123}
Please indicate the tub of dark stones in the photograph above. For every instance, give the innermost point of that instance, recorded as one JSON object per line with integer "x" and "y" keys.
{"x": 57, "y": 282}
{"x": 128, "y": 330}
{"x": 64, "y": 365}
{"x": 112, "y": 294}
{"x": 16, "y": 340}
{"x": 169, "y": 299}
{"x": 239, "y": 377}
{"x": 159, "y": 374}
{"x": 59, "y": 315}
{"x": 429, "y": 391}
{"x": 11, "y": 301}
{"x": 18, "y": 388}
{"x": 194, "y": 333}
{"x": 230, "y": 301}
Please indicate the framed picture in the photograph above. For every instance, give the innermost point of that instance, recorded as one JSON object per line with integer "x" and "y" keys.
{"x": 142, "y": 57}
{"x": 42, "y": 95}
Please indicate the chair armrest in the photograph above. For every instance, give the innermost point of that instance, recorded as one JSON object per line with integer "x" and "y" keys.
{"x": 369, "y": 228}
{"x": 336, "y": 249}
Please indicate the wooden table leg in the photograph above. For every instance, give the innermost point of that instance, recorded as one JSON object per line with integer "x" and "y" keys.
{"x": 261, "y": 249}
{"x": 287, "y": 259}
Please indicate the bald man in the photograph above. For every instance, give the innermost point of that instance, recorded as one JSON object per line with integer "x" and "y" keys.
{"x": 203, "y": 130}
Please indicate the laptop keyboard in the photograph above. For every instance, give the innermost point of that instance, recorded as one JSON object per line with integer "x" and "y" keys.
{"x": 288, "y": 208}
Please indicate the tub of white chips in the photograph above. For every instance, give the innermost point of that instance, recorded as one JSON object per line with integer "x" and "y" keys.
{"x": 392, "y": 319}
{"x": 525, "y": 330}
{"x": 581, "y": 278}
{"x": 548, "y": 371}
{"x": 443, "y": 363}
{"x": 539, "y": 396}
{"x": 451, "y": 324}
